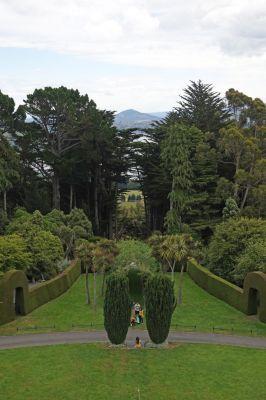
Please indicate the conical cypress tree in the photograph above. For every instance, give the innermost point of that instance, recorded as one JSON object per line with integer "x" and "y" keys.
{"x": 160, "y": 303}
{"x": 117, "y": 307}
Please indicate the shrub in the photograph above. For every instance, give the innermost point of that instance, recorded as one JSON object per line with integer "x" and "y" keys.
{"x": 231, "y": 209}
{"x": 78, "y": 220}
{"x": 160, "y": 303}
{"x": 135, "y": 254}
{"x": 47, "y": 251}
{"x": 252, "y": 259}
{"x": 14, "y": 253}
{"x": 117, "y": 307}
{"x": 229, "y": 241}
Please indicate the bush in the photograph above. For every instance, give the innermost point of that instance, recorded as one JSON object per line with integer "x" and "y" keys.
{"x": 117, "y": 307}
{"x": 252, "y": 259}
{"x": 135, "y": 254}
{"x": 14, "y": 253}
{"x": 78, "y": 221}
{"x": 160, "y": 303}
{"x": 229, "y": 241}
{"x": 47, "y": 251}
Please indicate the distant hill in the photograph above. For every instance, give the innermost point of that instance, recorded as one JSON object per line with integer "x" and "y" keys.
{"x": 135, "y": 119}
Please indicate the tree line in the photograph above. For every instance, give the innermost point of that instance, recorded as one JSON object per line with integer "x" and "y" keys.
{"x": 60, "y": 151}
{"x": 207, "y": 150}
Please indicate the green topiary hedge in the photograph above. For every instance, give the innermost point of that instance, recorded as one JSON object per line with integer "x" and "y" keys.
{"x": 29, "y": 299}
{"x": 250, "y": 300}
{"x": 117, "y": 307}
{"x": 255, "y": 294}
{"x": 215, "y": 285}
{"x": 160, "y": 303}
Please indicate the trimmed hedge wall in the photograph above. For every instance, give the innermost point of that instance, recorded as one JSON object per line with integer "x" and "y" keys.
{"x": 250, "y": 300}
{"x": 255, "y": 294}
{"x": 215, "y": 285}
{"x": 10, "y": 281}
{"x": 37, "y": 295}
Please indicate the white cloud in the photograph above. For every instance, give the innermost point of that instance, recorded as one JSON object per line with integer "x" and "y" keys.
{"x": 216, "y": 40}
{"x": 121, "y": 30}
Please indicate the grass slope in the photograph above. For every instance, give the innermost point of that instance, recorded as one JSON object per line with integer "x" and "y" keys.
{"x": 198, "y": 308}
{"x": 187, "y": 372}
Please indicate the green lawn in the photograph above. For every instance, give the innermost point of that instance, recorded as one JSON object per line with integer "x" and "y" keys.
{"x": 185, "y": 371}
{"x": 198, "y": 308}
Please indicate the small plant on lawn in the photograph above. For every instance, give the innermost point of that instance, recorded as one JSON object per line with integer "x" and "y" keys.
{"x": 117, "y": 307}
{"x": 160, "y": 304}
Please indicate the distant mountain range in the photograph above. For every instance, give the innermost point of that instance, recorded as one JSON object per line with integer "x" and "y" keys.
{"x": 131, "y": 119}
{"x": 135, "y": 119}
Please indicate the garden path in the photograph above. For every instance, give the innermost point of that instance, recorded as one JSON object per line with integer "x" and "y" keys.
{"x": 47, "y": 339}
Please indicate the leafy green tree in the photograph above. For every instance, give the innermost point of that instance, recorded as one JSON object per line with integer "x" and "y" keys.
{"x": 172, "y": 250}
{"x": 9, "y": 168}
{"x": 14, "y": 253}
{"x": 160, "y": 304}
{"x": 117, "y": 307}
{"x": 229, "y": 241}
{"x": 57, "y": 113}
{"x": 231, "y": 209}
{"x": 253, "y": 258}
{"x": 104, "y": 254}
{"x": 79, "y": 222}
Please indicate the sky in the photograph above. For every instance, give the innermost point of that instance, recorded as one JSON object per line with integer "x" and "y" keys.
{"x": 136, "y": 54}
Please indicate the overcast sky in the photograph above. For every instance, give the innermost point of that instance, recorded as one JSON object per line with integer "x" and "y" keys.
{"x": 132, "y": 53}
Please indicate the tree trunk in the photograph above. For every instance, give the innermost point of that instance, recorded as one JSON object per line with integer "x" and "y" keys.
{"x": 94, "y": 290}
{"x": 237, "y": 168}
{"x": 5, "y": 202}
{"x": 245, "y": 197}
{"x": 110, "y": 223}
{"x": 180, "y": 285}
{"x": 103, "y": 283}
{"x": 173, "y": 274}
{"x": 87, "y": 285}
{"x": 56, "y": 191}
{"x": 96, "y": 205}
{"x": 71, "y": 197}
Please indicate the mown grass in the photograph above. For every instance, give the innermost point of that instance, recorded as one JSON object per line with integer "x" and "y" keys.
{"x": 185, "y": 371}
{"x": 199, "y": 309}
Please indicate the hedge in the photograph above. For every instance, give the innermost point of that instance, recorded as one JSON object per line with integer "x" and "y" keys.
{"x": 245, "y": 300}
{"x": 37, "y": 295}
{"x": 254, "y": 293}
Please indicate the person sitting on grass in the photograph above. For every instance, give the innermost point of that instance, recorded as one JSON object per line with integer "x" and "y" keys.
{"x": 138, "y": 343}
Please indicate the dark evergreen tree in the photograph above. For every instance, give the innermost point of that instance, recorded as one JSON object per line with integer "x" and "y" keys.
{"x": 202, "y": 107}
{"x": 117, "y": 307}
{"x": 160, "y": 303}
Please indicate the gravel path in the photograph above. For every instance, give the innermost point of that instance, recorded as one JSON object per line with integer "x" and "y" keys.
{"x": 47, "y": 339}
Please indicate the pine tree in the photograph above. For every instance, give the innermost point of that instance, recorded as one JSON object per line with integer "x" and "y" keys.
{"x": 160, "y": 304}
{"x": 117, "y": 307}
{"x": 202, "y": 107}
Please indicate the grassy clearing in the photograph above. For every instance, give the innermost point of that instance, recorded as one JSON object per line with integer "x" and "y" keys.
{"x": 187, "y": 372}
{"x": 198, "y": 308}
{"x": 128, "y": 204}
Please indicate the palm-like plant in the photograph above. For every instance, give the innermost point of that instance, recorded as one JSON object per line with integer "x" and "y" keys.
{"x": 85, "y": 252}
{"x": 176, "y": 249}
